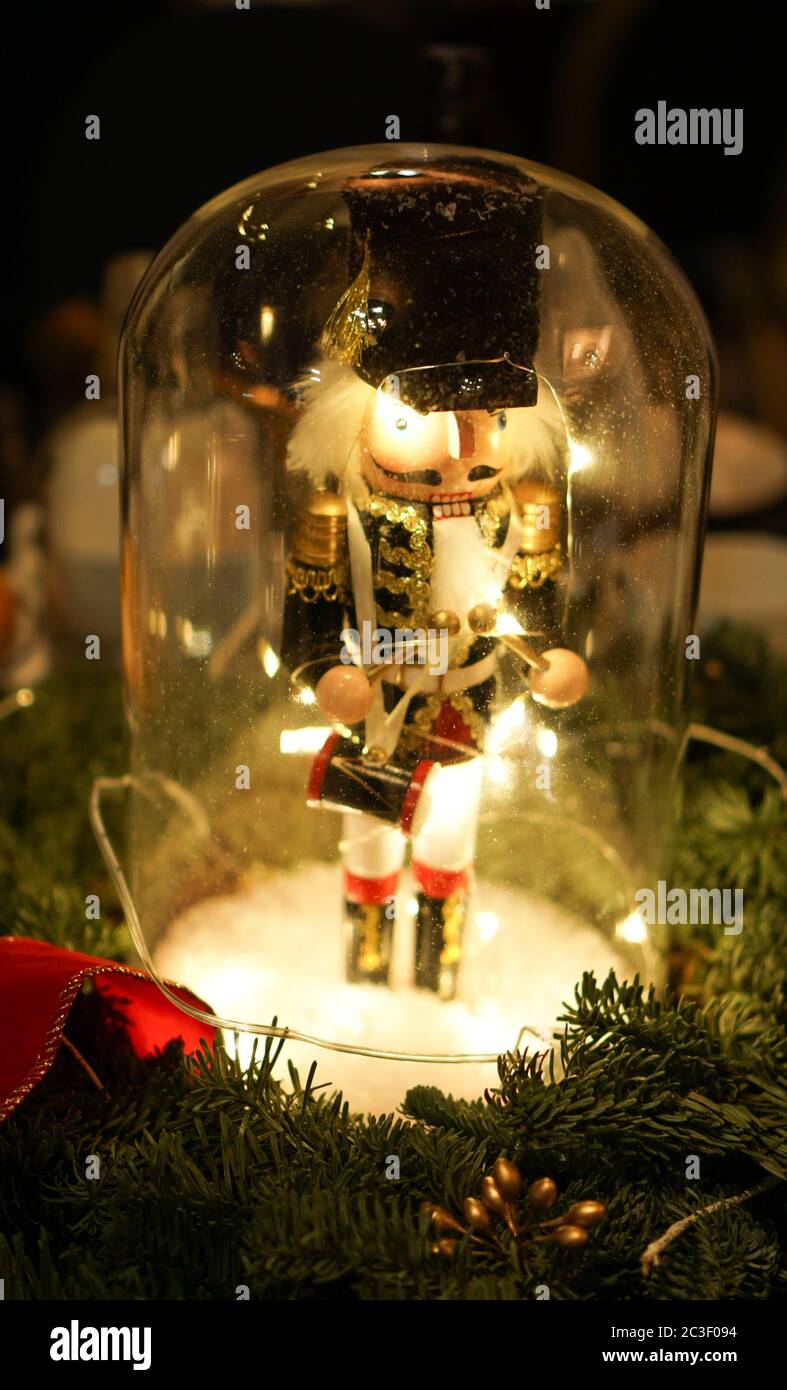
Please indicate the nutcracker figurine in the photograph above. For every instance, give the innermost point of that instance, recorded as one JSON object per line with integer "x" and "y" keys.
{"x": 430, "y": 541}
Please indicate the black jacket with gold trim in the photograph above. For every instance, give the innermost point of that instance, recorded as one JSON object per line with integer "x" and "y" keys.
{"x": 320, "y": 603}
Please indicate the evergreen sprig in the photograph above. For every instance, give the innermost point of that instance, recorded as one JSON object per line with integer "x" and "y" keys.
{"x": 215, "y": 1175}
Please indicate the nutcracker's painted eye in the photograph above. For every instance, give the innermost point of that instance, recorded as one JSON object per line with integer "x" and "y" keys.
{"x": 401, "y": 423}
{"x": 502, "y": 420}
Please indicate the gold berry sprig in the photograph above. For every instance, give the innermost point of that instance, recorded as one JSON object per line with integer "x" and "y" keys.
{"x": 500, "y": 1204}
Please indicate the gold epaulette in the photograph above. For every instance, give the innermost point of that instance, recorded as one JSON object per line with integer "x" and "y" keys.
{"x": 531, "y": 571}
{"x": 317, "y": 566}
{"x": 540, "y": 554}
{"x": 541, "y": 509}
{"x": 311, "y": 584}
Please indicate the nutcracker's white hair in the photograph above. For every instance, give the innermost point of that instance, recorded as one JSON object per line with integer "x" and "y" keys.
{"x": 334, "y": 401}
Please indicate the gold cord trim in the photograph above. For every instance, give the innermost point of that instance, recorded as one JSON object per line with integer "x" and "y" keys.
{"x": 531, "y": 571}
{"x": 425, "y": 718}
{"x": 493, "y": 510}
{"x": 418, "y": 558}
{"x": 311, "y": 584}
{"x": 52, "y": 1037}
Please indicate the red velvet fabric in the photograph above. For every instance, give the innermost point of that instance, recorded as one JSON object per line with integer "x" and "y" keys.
{"x": 38, "y": 986}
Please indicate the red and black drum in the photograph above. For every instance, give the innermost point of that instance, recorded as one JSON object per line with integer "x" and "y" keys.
{"x": 344, "y": 780}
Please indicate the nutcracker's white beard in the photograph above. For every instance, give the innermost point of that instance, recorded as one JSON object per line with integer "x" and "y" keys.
{"x": 463, "y": 569}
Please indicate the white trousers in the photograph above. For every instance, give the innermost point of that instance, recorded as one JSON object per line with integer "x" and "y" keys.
{"x": 372, "y": 849}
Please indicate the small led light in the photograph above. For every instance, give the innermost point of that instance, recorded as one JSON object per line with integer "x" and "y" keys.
{"x": 488, "y": 924}
{"x": 504, "y": 727}
{"x": 307, "y": 740}
{"x": 546, "y": 742}
{"x": 267, "y": 323}
{"x": 496, "y": 770}
{"x": 508, "y": 626}
{"x": 268, "y": 657}
{"x": 633, "y": 928}
{"x": 170, "y": 455}
{"x": 392, "y": 410}
{"x": 581, "y": 458}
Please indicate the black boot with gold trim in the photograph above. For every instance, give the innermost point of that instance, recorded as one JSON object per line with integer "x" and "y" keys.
{"x": 369, "y": 928}
{"x": 439, "y": 927}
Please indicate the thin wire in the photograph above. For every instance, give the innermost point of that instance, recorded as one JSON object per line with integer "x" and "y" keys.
{"x": 84, "y": 1064}
{"x": 106, "y": 784}
{"x": 703, "y": 733}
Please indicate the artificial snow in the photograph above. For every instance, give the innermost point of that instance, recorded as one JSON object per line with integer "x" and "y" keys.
{"x": 276, "y": 949}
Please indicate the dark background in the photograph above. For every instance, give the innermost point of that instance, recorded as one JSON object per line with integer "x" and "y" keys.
{"x": 196, "y": 96}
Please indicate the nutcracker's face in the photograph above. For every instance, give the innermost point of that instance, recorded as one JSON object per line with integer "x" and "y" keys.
{"x": 441, "y": 457}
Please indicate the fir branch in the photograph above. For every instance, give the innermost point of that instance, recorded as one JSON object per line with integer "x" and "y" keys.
{"x": 215, "y": 1173}
{"x": 651, "y": 1256}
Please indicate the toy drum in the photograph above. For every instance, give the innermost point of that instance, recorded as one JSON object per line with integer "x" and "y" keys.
{"x": 343, "y": 780}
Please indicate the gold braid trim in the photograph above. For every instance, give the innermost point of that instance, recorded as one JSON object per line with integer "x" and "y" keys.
{"x": 371, "y": 956}
{"x": 397, "y": 513}
{"x": 493, "y": 509}
{"x": 414, "y": 586}
{"x": 453, "y": 915}
{"x": 395, "y": 554}
{"x": 425, "y": 717}
{"x": 531, "y": 571}
{"x": 311, "y": 584}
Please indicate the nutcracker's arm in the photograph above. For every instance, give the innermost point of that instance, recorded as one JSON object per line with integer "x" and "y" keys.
{"x": 533, "y": 590}
{"x": 318, "y": 587}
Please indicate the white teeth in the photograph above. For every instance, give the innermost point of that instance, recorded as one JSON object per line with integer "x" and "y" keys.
{"x": 443, "y": 509}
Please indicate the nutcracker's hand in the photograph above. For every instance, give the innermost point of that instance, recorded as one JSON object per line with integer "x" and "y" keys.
{"x": 344, "y": 695}
{"x": 563, "y": 683}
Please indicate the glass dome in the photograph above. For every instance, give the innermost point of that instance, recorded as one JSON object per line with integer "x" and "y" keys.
{"x": 416, "y": 448}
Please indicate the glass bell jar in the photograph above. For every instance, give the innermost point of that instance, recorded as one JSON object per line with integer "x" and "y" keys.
{"x": 416, "y": 445}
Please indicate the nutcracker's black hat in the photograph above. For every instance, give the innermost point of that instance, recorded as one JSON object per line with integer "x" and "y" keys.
{"x": 443, "y": 304}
